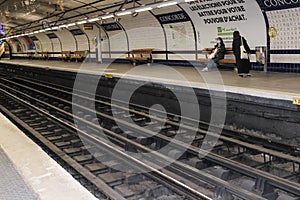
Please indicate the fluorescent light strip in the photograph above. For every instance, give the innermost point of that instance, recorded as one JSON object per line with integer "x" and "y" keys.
{"x": 93, "y": 20}
{"x": 143, "y": 9}
{"x": 167, "y": 4}
{"x": 72, "y": 24}
{"x": 81, "y": 22}
{"x": 107, "y": 16}
{"x": 124, "y": 13}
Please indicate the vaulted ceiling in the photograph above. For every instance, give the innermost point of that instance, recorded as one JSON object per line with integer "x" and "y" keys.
{"x": 18, "y": 16}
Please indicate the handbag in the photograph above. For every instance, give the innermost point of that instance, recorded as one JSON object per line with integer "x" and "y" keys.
{"x": 244, "y": 54}
{"x": 213, "y": 54}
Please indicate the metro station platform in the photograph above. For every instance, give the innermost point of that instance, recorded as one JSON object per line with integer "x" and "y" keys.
{"x": 28, "y": 173}
{"x": 273, "y": 85}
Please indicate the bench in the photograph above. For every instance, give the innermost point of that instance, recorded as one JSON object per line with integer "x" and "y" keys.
{"x": 65, "y": 55}
{"x": 30, "y": 55}
{"x": 225, "y": 61}
{"x": 140, "y": 55}
{"x": 43, "y": 55}
{"x": 79, "y": 55}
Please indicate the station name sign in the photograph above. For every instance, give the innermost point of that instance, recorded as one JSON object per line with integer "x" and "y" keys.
{"x": 111, "y": 27}
{"x": 77, "y": 32}
{"x": 269, "y": 5}
{"x": 34, "y": 38}
{"x": 51, "y": 35}
{"x": 174, "y": 17}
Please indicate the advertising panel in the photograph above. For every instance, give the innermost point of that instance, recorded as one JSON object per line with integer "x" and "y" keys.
{"x": 220, "y": 18}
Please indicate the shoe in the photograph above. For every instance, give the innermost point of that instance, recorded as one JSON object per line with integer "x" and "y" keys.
{"x": 205, "y": 69}
{"x": 242, "y": 75}
{"x": 249, "y": 75}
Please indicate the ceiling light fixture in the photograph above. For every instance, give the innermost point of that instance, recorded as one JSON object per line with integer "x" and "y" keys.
{"x": 167, "y": 4}
{"x": 124, "y": 13}
{"x": 71, "y": 24}
{"x": 133, "y": 11}
{"x": 62, "y": 26}
{"x": 143, "y": 9}
{"x": 107, "y": 16}
{"x": 94, "y": 19}
{"x": 81, "y": 22}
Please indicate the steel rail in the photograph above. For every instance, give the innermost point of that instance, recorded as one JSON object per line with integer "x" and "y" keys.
{"x": 216, "y": 181}
{"x": 108, "y": 191}
{"x": 225, "y": 132}
{"x": 221, "y": 137}
{"x": 241, "y": 168}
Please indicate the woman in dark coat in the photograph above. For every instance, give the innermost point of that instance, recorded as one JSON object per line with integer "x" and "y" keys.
{"x": 220, "y": 53}
{"x": 243, "y": 65}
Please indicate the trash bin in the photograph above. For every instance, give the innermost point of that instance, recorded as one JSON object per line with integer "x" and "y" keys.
{"x": 261, "y": 56}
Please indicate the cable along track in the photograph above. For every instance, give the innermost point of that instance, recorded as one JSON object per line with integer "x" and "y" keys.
{"x": 222, "y": 173}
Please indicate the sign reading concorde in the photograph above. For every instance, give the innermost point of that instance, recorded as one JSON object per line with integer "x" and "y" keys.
{"x": 174, "y": 17}
{"x": 220, "y": 18}
{"x": 34, "y": 38}
{"x": 269, "y": 5}
{"x": 111, "y": 27}
{"x": 77, "y": 32}
{"x": 51, "y": 35}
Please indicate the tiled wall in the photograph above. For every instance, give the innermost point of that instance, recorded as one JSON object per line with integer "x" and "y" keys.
{"x": 67, "y": 40}
{"x": 45, "y": 42}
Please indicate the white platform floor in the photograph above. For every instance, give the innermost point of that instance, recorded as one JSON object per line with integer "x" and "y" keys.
{"x": 44, "y": 178}
{"x": 283, "y": 86}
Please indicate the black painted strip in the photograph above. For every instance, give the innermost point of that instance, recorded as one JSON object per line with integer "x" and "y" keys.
{"x": 187, "y": 52}
{"x": 286, "y": 51}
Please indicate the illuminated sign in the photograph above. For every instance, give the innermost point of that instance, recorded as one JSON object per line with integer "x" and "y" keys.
{"x": 296, "y": 101}
{"x": 77, "y": 32}
{"x": 174, "y": 17}
{"x": 33, "y": 38}
{"x": 51, "y": 35}
{"x": 88, "y": 27}
{"x": 111, "y": 27}
{"x": 278, "y": 4}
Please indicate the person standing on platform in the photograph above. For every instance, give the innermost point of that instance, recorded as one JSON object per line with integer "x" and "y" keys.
{"x": 243, "y": 65}
{"x": 218, "y": 54}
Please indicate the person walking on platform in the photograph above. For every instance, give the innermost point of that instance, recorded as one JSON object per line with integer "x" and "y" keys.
{"x": 241, "y": 56}
{"x": 218, "y": 54}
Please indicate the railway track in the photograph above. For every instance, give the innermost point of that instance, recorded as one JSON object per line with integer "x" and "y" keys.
{"x": 234, "y": 169}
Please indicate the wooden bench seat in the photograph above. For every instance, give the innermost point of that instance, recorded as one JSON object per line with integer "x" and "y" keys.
{"x": 30, "y": 55}
{"x": 140, "y": 55}
{"x": 221, "y": 61}
{"x": 65, "y": 55}
{"x": 43, "y": 55}
{"x": 229, "y": 53}
{"x": 79, "y": 55}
